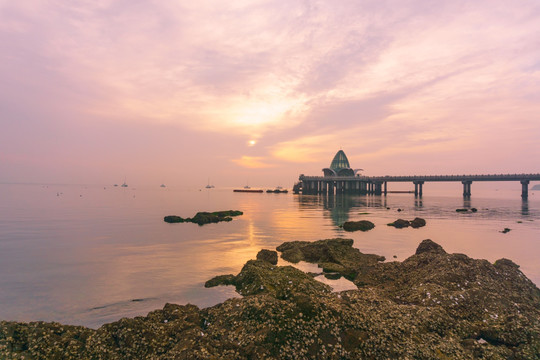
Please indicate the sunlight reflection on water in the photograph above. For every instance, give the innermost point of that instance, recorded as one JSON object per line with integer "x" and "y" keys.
{"x": 82, "y": 254}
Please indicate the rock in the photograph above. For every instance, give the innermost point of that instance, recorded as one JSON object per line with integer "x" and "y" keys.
{"x": 202, "y": 218}
{"x": 418, "y": 222}
{"x": 505, "y": 230}
{"x": 173, "y": 219}
{"x": 474, "y": 209}
{"x": 220, "y": 280}
{"x": 334, "y": 255}
{"x": 506, "y": 262}
{"x": 268, "y": 255}
{"x": 400, "y": 223}
{"x": 362, "y": 225}
{"x": 462, "y": 210}
{"x": 260, "y": 277}
{"x": 429, "y": 246}
{"x": 332, "y": 276}
{"x": 433, "y": 305}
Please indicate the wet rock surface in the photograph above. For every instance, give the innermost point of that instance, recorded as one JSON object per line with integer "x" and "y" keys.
{"x": 433, "y": 305}
{"x": 362, "y": 225}
{"x": 202, "y": 218}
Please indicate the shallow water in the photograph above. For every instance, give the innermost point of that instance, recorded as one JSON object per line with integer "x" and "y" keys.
{"x": 90, "y": 255}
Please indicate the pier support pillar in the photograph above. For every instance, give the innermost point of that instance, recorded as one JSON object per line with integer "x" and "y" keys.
{"x": 524, "y": 189}
{"x": 466, "y": 188}
{"x": 418, "y": 185}
{"x": 385, "y": 188}
{"x": 378, "y": 188}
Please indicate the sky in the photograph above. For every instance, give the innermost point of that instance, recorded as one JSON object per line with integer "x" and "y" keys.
{"x": 260, "y": 91}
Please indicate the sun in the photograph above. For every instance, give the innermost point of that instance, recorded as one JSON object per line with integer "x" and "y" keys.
{"x": 251, "y": 142}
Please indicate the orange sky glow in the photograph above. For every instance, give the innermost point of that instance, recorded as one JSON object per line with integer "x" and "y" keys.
{"x": 92, "y": 92}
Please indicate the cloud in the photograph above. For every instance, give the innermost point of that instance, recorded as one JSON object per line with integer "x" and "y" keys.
{"x": 302, "y": 78}
{"x": 252, "y": 162}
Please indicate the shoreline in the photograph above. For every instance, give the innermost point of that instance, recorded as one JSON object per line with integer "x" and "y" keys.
{"x": 432, "y": 302}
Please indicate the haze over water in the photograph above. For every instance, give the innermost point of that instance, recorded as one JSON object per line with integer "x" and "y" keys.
{"x": 92, "y": 254}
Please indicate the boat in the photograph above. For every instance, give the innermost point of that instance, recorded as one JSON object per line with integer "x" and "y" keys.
{"x": 209, "y": 186}
{"x": 248, "y": 190}
{"x": 124, "y": 184}
{"x": 162, "y": 185}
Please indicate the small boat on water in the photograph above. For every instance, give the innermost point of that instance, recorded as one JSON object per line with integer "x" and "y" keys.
{"x": 209, "y": 186}
{"x": 124, "y": 184}
{"x": 162, "y": 185}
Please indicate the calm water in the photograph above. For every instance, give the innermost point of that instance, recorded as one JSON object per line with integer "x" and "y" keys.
{"x": 83, "y": 254}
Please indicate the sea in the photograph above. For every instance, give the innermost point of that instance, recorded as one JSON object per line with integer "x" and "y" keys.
{"x": 89, "y": 255}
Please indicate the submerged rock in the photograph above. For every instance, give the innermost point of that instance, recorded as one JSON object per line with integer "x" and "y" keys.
{"x": 416, "y": 223}
{"x": 362, "y": 225}
{"x": 202, "y": 218}
{"x": 173, "y": 219}
{"x": 433, "y": 305}
{"x": 399, "y": 223}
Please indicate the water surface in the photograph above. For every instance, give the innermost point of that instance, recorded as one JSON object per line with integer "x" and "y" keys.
{"x": 92, "y": 254}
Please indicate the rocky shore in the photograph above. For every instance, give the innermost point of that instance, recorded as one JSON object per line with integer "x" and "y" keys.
{"x": 433, "y": 305}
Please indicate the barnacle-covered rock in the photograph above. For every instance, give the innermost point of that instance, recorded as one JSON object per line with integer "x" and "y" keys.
{"x": 433, "y": 305}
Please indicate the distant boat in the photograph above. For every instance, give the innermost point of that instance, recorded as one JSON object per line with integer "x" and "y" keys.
{"x": 115, "y": 184}
{"x": 248, "y": 190}
{"x": 162, "y": 185}
{"x": 209, "y": 186}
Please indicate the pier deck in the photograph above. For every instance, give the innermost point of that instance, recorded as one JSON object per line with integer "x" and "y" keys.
{"x": 378, "y": 184}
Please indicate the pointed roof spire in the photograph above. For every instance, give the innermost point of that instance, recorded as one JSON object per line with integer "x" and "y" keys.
{"x": 340, "y": 161}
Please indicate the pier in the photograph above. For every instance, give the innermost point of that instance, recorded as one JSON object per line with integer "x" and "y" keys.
{"x": 339, "y": 178}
